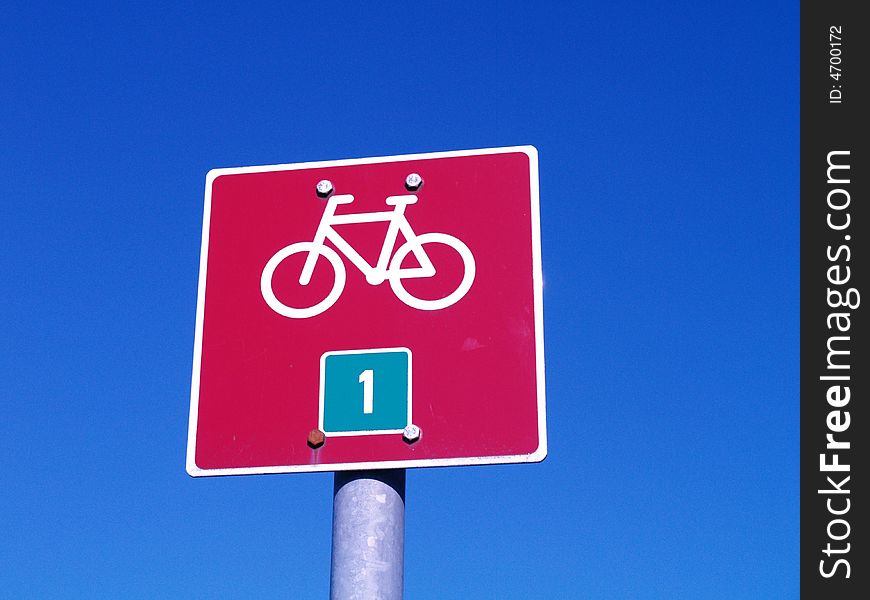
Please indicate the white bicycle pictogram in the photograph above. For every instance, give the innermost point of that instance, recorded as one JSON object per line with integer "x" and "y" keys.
{"x": 386, "y": 269}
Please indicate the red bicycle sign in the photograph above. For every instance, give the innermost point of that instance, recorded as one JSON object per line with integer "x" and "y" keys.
{"x": 305, "y": 361}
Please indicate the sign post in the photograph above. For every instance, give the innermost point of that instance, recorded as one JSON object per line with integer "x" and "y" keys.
{"x": 368, "y": 535}
{"x": 370, "y": 314}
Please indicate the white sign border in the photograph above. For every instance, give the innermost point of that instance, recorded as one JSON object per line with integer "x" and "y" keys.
{"x": 537, "y": 283}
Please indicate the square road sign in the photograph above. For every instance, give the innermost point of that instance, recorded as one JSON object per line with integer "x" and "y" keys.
{"x": 370, "y": 313}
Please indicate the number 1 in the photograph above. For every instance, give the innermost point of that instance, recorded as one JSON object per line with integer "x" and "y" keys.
{"x": 367, "y": 378}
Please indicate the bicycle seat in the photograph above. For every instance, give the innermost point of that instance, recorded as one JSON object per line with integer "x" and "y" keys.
{"x": 404, "y": 199}
{"x": 342, "y": 199}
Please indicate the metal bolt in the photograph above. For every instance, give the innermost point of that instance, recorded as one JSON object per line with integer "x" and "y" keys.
{"x": 316, "y": 438}
{"x": 413, "y": 182}
{"x": 324, "y": 188}
{"x": 411, "y": 433}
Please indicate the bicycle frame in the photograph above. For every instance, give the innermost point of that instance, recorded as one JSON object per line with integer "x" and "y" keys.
{"x": 380, "y": 272}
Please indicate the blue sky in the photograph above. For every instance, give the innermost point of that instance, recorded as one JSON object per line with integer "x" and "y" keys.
{"x": 668, "y": 141}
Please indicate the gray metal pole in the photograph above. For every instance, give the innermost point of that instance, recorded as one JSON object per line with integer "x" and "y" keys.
{"x": 368, "y": 535}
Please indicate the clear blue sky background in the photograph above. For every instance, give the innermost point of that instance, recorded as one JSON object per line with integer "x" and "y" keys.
{"x": 668, "y": 140}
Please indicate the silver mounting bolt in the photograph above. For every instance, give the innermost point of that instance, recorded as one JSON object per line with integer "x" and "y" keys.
{"x": 324, "y": 188}
{"x": 413, "y": 182}
{"x": 411, "y": 433}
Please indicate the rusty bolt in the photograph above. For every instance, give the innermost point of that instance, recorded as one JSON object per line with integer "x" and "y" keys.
{"x": 411, "y": 433}
{"x": 316, "y": 438}
{"x": 413, "y": 182}
{"x": 324, "y": 188}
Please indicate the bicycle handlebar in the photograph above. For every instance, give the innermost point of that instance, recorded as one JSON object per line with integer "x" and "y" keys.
{"x": 404, "y": 199}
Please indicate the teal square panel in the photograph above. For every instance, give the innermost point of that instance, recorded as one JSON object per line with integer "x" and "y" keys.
{"x": 365, "y": 391}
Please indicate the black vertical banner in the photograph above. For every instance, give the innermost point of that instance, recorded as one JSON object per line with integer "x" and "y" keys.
{"x": 835, "y": 299}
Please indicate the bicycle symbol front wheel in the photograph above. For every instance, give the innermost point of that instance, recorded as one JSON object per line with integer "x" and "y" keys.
{"x": 439, "y": 303}
{"x": 302, "y": 312}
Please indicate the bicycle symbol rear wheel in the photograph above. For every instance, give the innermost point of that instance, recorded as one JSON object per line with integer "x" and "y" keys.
{"x": 302, "y": 312}
{"x": 439, "y": 303}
